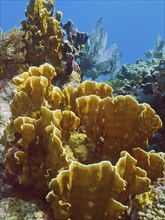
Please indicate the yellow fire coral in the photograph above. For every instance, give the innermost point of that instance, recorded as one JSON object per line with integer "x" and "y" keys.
{"x": 47, "y": 134}
{"x": 55, "y": 125}
{"x": 86, "y": 191}
{"x": 136, "y": 178}
{"x": 21, "y": 160}
{"x": 48, "y": 122}
{"x": 84, "y": 89}
{"x": 43, "y": 36}
{"x": 121, "y": 122}
{"x": 33, "y": 87}
{"x": 95, "y": 191}
{"x": 152, "y": 162}
{"x": 46, "y": 70}
{"x": 27, "y": 127}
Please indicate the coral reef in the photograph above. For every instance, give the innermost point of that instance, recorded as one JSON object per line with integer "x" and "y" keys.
{"x": 160, "y": 103}
{"x": 45, "y": 42}
{"x": 159, "y": 49}
{"x": 77, "y": 39}
{"x": 150, "y": 205}
{"x": 96, "y": 189}
{"x": 110, "y": 124}
{"x": 137, "y": 79}
{"x": 96, "y": 59}
{"x": 45, "y": 125}
{"x": 40, "y": 40}
{"x": 43, "y": 37}
{"x": 150, "y": 161}
{"x": 145, "y": 81}
{"x": 6, "y": 94}
{"x": 17, "y": 209}
{"x": 12, "y": 53}
{"x": 76, "y": 144}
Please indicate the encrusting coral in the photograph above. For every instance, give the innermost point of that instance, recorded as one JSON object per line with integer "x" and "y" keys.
{"x": 151, "y": 204}
{"x": 17, "y": 209}
{"x": 46, "y": 124}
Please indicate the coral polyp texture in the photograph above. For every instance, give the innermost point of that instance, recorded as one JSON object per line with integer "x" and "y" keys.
{"x": 39, "y": 40}
{"x": 43, "y": 37}
{"x": 80, "y": 146}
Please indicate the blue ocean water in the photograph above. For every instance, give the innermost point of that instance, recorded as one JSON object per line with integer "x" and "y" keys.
{"x": 133, "y": 25}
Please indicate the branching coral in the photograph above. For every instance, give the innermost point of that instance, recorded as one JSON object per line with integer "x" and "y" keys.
{"x": 48, "y": 123}
{"x": 44, "y": 40}
{"x": 40, "y": 39}
{"x": 43, "y": 37}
